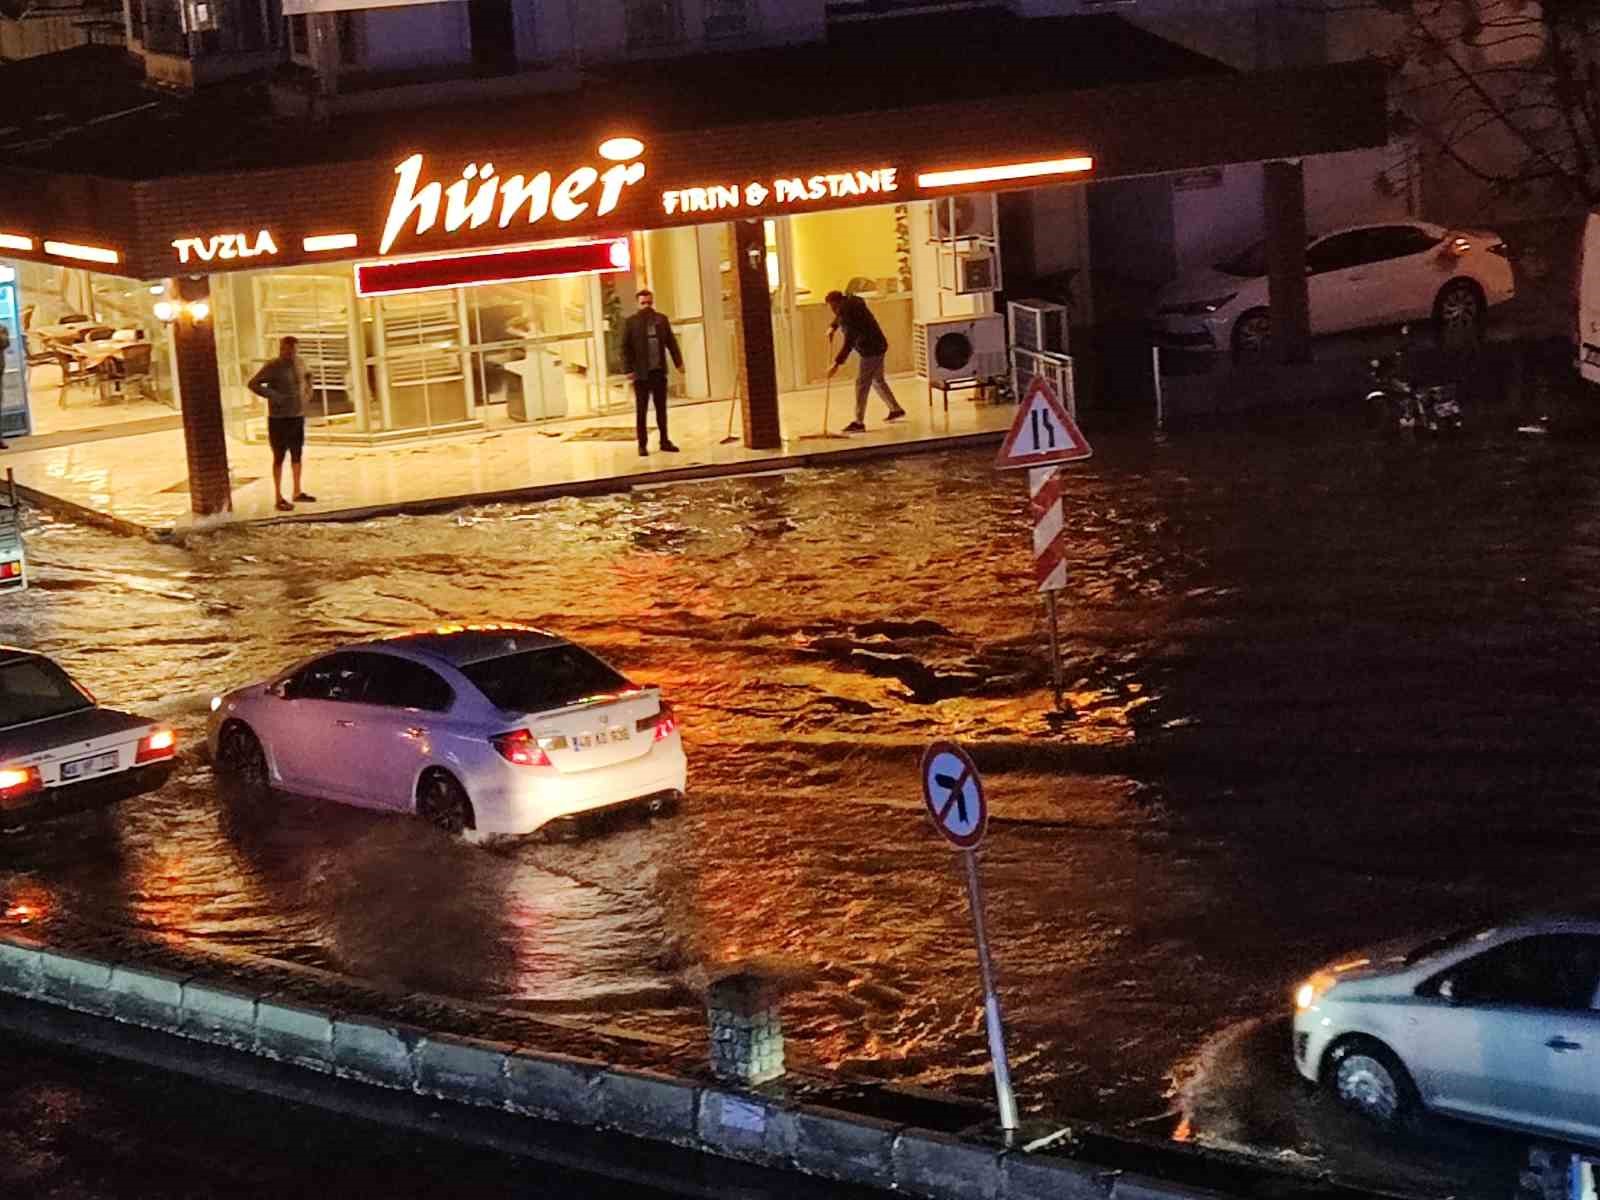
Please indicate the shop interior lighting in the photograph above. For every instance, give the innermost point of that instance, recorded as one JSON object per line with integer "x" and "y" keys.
{"x": 15, "y": 241}
{"x": 166, "y": 310}
{"x": 492, "y": 266}
{"x": 199, "y": 310}
{"x": 330, "y": 241}
{"x": 83, "y": 253}
{"x": 966, "y": 177}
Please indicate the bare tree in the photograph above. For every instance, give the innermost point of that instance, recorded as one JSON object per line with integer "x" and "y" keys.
{"x": 1508, "y": 90}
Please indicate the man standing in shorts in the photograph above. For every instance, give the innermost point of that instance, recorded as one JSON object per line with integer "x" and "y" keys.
{"x": 285, "y": 384}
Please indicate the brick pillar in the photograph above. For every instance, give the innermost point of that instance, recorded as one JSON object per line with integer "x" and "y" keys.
{"x": 758, "y": 360}
{"x": 204, "y": 439}
{"x": 1284, "y": 198}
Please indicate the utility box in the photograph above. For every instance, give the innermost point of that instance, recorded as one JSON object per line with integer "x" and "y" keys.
{"x": 746, "y": 1027}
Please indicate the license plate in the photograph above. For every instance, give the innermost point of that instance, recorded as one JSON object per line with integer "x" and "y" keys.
{"x": 603, "y": 737}
{"x": 94, "y": 765}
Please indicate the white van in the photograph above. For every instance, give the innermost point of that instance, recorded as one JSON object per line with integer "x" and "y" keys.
{"x": 1586, "y": 283}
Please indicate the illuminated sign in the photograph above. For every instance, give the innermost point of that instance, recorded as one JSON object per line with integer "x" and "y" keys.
{"x": 472, "y": 201}
{"x": 967, "y": 176}
{"x": 322, "y": 242}
{"x": 224, "y": 246}
{"x": 15, "y": 241}
{"x": 785, "y": 190}
{"x": 82, "y": 253}
{"x": 492, "y": 266}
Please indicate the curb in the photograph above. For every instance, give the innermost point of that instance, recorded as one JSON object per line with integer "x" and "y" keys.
{"x": 757, "y": 1126}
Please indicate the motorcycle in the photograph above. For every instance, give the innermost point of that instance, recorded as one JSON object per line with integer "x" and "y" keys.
{"x": 1399, "y": 404}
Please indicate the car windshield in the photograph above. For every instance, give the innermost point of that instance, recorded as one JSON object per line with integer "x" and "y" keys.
{"x": 1445, "y": 941}
{"x": 1248, "y": 263}
{"x": 539, "y": 680}
{"x": 32, "y": 689}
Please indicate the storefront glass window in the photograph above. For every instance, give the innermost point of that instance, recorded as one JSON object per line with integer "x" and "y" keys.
{"x": 673, "y": 273}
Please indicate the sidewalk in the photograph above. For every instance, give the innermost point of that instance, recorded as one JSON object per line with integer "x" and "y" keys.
{"x": 139, "y": 483}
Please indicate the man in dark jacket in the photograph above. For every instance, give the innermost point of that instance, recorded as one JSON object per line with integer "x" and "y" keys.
{"x": 646, "y": 342}
{"x": 863, "y": 335}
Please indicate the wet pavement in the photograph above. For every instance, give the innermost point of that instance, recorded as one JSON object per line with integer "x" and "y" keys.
{"x": 1326, "y": 689}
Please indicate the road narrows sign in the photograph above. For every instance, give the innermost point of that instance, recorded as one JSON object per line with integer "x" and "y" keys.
{"x": 953, "y": 791}
{"x": 1043, "y": 433}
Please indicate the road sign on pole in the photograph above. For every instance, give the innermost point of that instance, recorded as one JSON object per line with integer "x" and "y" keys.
{"x": 1043, "y": 434}
{"x": 953, "y": 791}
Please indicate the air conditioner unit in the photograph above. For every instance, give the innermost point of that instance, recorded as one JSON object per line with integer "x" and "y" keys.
{"x": 977, "y": 271}
{"x": 953, "y": 349}
{"x": 1026, "y": 365}
{"x": 957, "y": 217}
{"x": 1038, "y": 325}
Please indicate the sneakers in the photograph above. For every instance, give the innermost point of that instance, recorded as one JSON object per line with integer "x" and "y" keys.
{"x": 669, "y": 447}
{"x": 896, "y": 415}
{"x": 285, "y": 506}
{"x": 305, "y": 498}
{"x": 855, "y": 427}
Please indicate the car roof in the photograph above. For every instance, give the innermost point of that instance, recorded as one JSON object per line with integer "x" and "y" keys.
{"x": 1426, "y": 226}
{"x": 461, "y": 645}
{"x": 17, "y": 653}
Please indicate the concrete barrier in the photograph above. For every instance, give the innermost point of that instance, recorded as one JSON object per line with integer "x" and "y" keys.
{"x": 697, "y": 1113}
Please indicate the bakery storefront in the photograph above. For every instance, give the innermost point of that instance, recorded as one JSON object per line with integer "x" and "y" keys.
{"x": 464, "y": 280}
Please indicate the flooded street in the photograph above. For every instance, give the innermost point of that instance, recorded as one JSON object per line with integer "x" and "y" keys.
{"x": 1325, "y": 689}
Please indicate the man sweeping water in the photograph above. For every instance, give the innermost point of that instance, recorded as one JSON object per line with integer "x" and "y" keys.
{"x": 864, "y": 335}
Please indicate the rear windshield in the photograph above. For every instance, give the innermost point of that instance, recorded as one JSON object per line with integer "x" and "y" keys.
{"x": 32, "y": 689}
{"x": 538, "y": 680}
{"x": 1247, "y": 264}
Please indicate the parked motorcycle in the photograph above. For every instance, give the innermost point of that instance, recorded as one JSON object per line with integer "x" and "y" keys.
{"x": 1399, "y": 404}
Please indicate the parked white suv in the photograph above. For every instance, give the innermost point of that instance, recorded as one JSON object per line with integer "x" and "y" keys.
{"x": 1362, "y": 276}
{"x": 1497, "y": 1024}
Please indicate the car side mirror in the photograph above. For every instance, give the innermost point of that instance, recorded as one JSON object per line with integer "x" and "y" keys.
{"x": 279, "y": 689}
{"x": 1447, "y": 989}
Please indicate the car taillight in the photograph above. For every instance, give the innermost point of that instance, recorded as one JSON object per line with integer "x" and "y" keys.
{"x": 521, "y": 748}
{"x": 11, "y": 569}
{"x": 163, "y": 743}
{"x": 664, "y": 722}
{"x": 17, "y": 782}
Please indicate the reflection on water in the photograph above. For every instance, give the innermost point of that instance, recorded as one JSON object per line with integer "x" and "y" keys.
{"x": 1313, "y": 681}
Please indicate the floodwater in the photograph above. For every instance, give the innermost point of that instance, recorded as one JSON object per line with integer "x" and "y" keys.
{"x": 1324, "y": 689}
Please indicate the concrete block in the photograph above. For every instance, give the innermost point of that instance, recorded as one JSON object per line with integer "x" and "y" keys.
{"x": 463, "y": 1069}
{"x": 942, "y": 1167}
{"x": 214, "y": 1012}
{"x": 553, "y": 1085}
{"x": 20, "y": 967}
{"x": 745, "y": 1126}
{"x": 843, "y": 1146}
{"x": 147, "y": 996}
{"x": 375, "y": 1053}
{"x": 294, "y": 1033}
{"x": 649, "y": 1104}
{"x": 1051, "y": 1177}
{"x": 1142, "y": 1187}
{"x": 76, "y": 981}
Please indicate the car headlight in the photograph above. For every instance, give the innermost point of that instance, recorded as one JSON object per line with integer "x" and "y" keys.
{"x": 216, "y": 703}
{"x": 1312, "y": 990}
{"x": 1197, "y": 308}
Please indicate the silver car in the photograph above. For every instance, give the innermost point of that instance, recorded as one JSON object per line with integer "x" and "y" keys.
{"x": 60, "y": 751}
{"x": 496, "y": 729}
{"x": 1497, "y": 1024}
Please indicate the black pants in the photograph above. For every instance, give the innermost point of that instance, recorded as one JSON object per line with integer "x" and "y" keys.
{"x": 652, "y": 385}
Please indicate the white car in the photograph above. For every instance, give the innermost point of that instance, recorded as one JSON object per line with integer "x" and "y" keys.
{"x": 498, "y": 729}
{"x": 1497, "y": 1024}
{"x": 1362, "y": 276}
{"x": 60, "y": 751}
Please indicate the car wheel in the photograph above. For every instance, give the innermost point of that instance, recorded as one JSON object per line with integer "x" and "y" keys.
{"x": 1366, "y": 1077}
{"x": 1458, "y": 312}
{"x": 442, "y": 802}
{"x": 1252, "y": 334}
{"x": 241, "y": 759}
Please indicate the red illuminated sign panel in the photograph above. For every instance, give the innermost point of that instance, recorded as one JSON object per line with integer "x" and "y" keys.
{"x": 492, "y": 266}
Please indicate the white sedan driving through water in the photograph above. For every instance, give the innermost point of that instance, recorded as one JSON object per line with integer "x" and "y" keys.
{"x": 497, "y": 729}
{"x": 1498, "y": 1024}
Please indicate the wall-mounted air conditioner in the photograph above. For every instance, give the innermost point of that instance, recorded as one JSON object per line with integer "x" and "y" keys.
{"x": 977, "y": 271}
{"x": 955, "y": 349}
{"x": 1038, "y": 325}
{"x": 959, "y": 217}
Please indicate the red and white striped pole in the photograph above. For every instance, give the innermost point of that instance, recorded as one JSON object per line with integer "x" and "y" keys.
{"x": 1049, "y": 552}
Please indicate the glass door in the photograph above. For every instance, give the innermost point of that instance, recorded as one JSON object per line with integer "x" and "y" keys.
{"x": 423, "y": 377}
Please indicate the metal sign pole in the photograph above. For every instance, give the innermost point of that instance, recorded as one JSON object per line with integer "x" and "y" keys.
{"x": 1055, "y": 649}
{"x": 991, "y": 1001}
